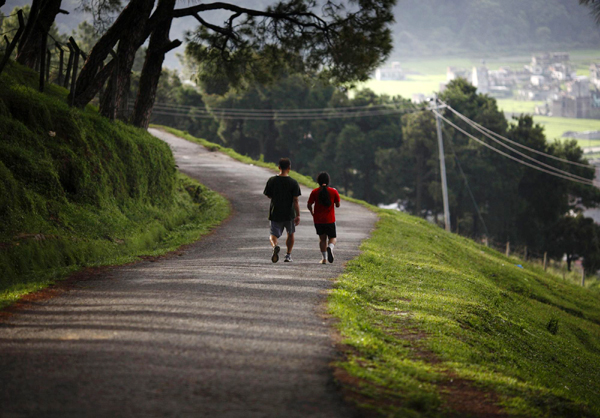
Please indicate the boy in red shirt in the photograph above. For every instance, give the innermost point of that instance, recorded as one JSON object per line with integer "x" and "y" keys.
{"x": 324, "y": 198}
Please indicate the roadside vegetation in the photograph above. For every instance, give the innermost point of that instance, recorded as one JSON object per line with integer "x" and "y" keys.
{"x": 77, "y": 190}
{"x": 434, "y": 324}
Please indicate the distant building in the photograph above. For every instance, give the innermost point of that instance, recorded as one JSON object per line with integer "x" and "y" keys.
{"x": 390, "y": 73}
{"x": 452, "y": 73}
{"x": 576, "y": 102}
{"x": 480, "y": 79}
{"x": 582, "y": 135}
{"x": 418, "y": 98}
{"x": 595, "y": 74}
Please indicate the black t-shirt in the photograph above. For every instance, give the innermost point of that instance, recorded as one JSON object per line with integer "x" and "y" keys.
{"x": 282, "y": 191}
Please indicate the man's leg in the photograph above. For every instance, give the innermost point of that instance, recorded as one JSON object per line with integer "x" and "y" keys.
{"x": 275, "y": 231}
{"x": 290, "y": 242}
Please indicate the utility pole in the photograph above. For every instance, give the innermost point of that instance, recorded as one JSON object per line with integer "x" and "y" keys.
{"x": 442, "y": 166}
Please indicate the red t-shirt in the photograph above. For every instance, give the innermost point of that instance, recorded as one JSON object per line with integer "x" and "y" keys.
{"x": 324, "y": 214}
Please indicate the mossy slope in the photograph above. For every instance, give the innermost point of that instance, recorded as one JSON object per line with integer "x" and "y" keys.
{"x": 77, "y": 189}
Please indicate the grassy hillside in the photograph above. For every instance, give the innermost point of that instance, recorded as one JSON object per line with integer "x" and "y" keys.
{"x": 78, "y": 190}
{"x": 437, "y": 325}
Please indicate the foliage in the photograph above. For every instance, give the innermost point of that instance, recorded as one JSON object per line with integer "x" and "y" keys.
{"x": 422, "y": 311}
{"x": 77, "y": 190}
{"x": 394, "y": 158}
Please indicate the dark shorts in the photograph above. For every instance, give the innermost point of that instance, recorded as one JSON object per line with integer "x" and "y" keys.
{"x": 326, "y": 229}
{"x": 278, "y": 227}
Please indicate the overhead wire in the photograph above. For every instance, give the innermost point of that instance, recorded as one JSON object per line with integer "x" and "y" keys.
{"x": 284, "y": 117}
{"x": 487, "y": 132}
{"x": 558, "y": 170}
{"x": 299, "y": 110}
{"x": 587, "y": 181}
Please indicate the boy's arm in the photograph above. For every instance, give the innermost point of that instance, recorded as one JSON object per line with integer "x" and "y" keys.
{"x": 297, "y": 209}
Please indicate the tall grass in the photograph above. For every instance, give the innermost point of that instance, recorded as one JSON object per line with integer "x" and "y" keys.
{"x": 77, "y": 189}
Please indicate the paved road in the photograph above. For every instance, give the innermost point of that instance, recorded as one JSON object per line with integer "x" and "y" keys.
{"x": 217, "y": 332}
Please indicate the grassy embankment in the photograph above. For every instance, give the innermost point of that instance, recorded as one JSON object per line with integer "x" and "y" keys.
{"x": 422, "y": 310}
{"x": 77, "y": 190}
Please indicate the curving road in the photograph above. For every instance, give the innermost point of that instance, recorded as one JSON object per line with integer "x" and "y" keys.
{"x": 219, "y": 331}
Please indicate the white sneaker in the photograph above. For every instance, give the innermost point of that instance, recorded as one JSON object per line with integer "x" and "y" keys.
{"x": 288, "y": 258}
{"x": 323, "y": 261}
{"x": 330, "y": 255}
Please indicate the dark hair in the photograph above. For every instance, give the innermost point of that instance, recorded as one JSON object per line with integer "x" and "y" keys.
{"x": 284, "y": 164}
{"x": 323, "y": 180}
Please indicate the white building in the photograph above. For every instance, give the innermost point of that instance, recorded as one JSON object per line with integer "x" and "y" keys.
{"x": 390, "y": 73}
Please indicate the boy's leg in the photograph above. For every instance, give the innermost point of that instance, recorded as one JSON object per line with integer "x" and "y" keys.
{"x": 273, "y": 238}
{"x": 289, "y": 242}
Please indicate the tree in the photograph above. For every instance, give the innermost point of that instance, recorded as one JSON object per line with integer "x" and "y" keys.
{"x": 594, "y": 5}
{"x": 289, "y": 32}
{"x": 39, "y": 22}
{"x": 577, "y": 237}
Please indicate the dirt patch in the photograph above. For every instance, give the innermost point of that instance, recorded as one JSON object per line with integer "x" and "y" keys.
{"x": 460, "y": 397}
{"x": 59, "y": 288}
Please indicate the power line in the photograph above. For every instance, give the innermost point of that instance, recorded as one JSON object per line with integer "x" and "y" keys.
{"x": 299, "y": 110}
{"x": 480, "y": 128}
{"x": 525, "y": 155}
{"x": 588, "y": 182}
{"x": 276, "y": 117}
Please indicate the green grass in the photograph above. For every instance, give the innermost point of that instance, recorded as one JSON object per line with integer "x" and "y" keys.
{"x": 555, "y": 127}
{"x": 529, "y": 336}
{"x": 518, "y": 106}
{"x": 77, "y": 190}
{"x": 420, "y": 307}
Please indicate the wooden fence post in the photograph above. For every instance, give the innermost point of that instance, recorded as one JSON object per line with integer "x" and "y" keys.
{"x": 48, "y": 62}
{"x": 76, "y": 51}
{"x": 545, "y": 260}
{"x": 69, "y": 66}
{"x": 507, "y": 248}
{"x": 61, "y": 59}
{"x": 525, "y": 254}
{"x": 11, "y": 46}
{"x": 582, "y": 276}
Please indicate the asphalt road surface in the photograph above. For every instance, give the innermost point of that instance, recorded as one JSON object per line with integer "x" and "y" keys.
{"x": 219, "y": 331}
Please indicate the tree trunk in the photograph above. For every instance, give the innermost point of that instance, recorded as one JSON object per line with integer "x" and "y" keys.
{"x": 38, "y": 25}
{"x": 569, "y": 260}
{"x": 131, "y": 21}
{"x": 157, "y": 48}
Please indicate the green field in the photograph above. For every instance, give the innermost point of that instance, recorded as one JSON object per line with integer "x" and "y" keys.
{"x": 424, "y": 76}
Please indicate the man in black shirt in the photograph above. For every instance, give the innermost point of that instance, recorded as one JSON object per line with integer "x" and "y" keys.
{"x": 284, "y": 212}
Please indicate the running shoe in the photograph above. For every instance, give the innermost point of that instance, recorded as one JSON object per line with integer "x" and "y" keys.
{"x": 330, "y": 255}
{"x": 275, "y": 256}
{"x": 323, "y": 261}
{"x": 288, "y": 258}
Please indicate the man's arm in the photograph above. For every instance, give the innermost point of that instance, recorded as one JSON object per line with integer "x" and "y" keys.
{"x": 297, "y": 209}
{"x": 310, "y": 209}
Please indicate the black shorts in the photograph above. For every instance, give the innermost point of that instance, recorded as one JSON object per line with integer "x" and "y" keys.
{"x": 326, "y": 229}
